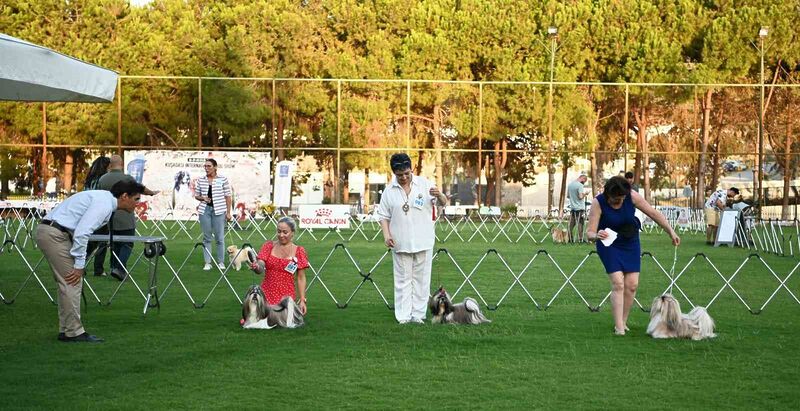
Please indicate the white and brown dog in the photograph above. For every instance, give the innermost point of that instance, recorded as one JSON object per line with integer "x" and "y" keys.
{"x": 559, "y": 235}
{"x": 667, "y": 320}
{"x": 445, "y": 312}
{"x": 256, "y": 313}
{"x": 239, "y": 257}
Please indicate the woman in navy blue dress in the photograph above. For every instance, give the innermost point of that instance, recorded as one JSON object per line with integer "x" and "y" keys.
{"x": 615, "y": 210}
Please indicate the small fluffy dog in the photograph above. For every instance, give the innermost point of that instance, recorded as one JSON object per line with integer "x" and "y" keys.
{"x": 560, "y": 235}
{"x": 445, "y": 312}
{"x": 256, "y": 313}
{"x": 667, "y": 321}
{"x": 238, "y": 258}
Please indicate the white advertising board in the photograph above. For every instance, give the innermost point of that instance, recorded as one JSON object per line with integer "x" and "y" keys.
{"x": 175, "y": 173}
{"x": 324, "y": 215}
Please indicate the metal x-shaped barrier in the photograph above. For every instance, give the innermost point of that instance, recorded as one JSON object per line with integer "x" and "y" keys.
{"x": 542, "y": 261}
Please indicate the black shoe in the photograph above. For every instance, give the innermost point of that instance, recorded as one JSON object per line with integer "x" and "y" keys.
{"x": 62, "y": 337}
{"x": 119, "y": 276}
{"x": 85, "y": 337}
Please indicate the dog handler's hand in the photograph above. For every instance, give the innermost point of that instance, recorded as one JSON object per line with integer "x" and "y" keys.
{"x": 602, "y": 234}
{"x": 74, "y": 277}
{"x": 676, "y": 241}
{"x": 389, "y": 241}
{"x": 303, "y": 308}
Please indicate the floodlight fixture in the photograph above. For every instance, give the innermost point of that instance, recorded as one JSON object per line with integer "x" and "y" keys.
{"x": 552, "y": 30}
{"x": 763, "y": 32}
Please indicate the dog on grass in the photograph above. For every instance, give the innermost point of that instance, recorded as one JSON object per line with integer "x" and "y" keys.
{"x": 239, "y": 257}
{"x": 559, "y": 235}
{"x": 257, "y": 313}
{"x": 443, "y": 311}
{"x": 667, "y": 320}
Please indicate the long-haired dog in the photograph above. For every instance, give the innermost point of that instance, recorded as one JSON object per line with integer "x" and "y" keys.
{"x": 667, "y": 320}
{"x": 559, "y": 235}
{"x": 445, "y": 312}
{"x": 256, "y": 313}
{"x": 239, "y": 257}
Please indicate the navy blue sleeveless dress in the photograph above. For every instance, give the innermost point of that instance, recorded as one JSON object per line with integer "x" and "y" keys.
{"x": 624, "y": 254}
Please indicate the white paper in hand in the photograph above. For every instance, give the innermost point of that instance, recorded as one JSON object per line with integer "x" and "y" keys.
{"x": 612, "y": 235}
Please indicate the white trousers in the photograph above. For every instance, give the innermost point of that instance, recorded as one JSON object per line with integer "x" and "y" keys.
{"x": 412, "y": 284}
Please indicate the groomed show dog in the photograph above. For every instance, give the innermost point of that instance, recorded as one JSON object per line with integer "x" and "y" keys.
{"x": 445, "y": 312}
{"x": 560, "y": 235}
{"x": 256, "y": 313}
{"x": 667, "y": 321}
{"x": 238, "y": 257}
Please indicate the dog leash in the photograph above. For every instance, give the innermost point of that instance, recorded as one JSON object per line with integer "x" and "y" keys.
{"x": 672, "y": 270}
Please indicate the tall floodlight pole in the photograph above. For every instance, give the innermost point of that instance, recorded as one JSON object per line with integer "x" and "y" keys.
{"x": 762, "y": 34}
{"x": 552, "y": 32}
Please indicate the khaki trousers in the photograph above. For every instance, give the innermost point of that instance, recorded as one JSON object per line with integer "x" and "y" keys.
{"x": 55, "y": 246}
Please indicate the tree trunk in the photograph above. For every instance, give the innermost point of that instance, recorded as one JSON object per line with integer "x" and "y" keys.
{"x": 787, "y": 174}
{"x": 562, "y": 192}
{"x": 715, "y": 166}
{"x": 551, "y": 182}
{"x": 487, "y": 200}
{"x": 701, "y": 162}
{"x": 69, "y": 167}
{"x": 279, "y": 137}
{"x": 365, "y": 200}
{"x": 642, "y": 156}
{"x": 500, "y": 159}
{"x": 437, "y": 145}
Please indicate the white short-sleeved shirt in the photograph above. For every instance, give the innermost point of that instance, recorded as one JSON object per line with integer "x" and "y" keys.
{"x": 413, "y": 231}
{"x": 718, "y": 195}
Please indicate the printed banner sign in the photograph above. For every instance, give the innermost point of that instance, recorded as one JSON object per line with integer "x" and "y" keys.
{"x": 324, "y": 216}
{"x": 284, "y": 170}
{"x": 175, "y": 173}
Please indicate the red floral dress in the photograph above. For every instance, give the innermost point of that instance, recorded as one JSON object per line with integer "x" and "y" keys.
{"x": 278, "y": 282}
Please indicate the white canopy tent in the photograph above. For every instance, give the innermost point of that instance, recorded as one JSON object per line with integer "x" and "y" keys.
{"x": 34, "y": 73}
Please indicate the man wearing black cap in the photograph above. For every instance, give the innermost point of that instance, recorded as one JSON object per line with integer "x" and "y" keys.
{"x": 406, "y": 214}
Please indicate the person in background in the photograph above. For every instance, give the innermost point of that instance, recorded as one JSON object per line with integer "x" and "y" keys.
{"x": 629, "y": 177}
{"x": 713, "y": 206}
{"x": 62, "y": 237}
{"x": 615, "y": 210}
{"x": 576, "y": 193}
{"x": 123, "y": 223}
{"x": 214, "y": 193}
{"x": 98, "y": 169}
{"x": 406, "y": 217}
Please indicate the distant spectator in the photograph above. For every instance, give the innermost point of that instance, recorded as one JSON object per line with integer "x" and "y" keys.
{"x": 98, "y": 168}
{"x": 576, "y": 193}
{"x": 714, "y": 205}
{"x": 629, "y": 177}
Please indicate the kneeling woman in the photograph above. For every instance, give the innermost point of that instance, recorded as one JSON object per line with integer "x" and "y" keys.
{"x": 615, "y": 209}
{"x": 283, "y": 261}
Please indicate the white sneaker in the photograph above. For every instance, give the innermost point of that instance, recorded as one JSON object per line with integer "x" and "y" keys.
{"x": 207, "y": 267}
{"x": 221, "y": 266}
{"x": 418, "y": 321}
{"x": 404, "y": 321}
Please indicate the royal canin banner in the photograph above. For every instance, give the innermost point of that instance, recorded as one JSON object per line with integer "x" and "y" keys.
{"x": 324, "y": 216}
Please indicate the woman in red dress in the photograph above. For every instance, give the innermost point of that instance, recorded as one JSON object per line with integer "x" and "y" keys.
{"x": 283, "y": 261}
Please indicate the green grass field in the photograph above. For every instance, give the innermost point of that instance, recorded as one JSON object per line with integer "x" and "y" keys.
{"x": 359, "y": 358}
